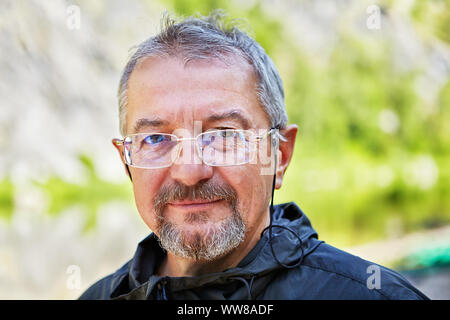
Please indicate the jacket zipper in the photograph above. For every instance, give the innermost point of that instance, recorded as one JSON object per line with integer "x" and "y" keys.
{"x": 161, "y": 286}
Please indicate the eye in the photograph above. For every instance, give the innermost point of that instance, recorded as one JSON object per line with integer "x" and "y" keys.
{"x": 232, "y": 135}
{"x": 155, "y": 139}
{"x": 227, "y": 133}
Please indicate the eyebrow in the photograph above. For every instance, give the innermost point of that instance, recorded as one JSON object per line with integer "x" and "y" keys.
{"x": 230, "y": 115}
{"x": 144, "y": 122}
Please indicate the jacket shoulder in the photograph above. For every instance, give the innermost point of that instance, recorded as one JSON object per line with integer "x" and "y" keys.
{"x": 106, "y": 287}
{"x": 330, "y": 273}
{"x": 355, "y": 278}
{"x": 100, "y": 290}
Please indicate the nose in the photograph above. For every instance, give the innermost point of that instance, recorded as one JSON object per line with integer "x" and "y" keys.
{"x": 189, "y": 168}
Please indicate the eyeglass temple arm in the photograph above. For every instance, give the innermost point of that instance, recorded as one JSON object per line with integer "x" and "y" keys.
{"x": 270, "y": 131}
{"x": 118, "y": 142}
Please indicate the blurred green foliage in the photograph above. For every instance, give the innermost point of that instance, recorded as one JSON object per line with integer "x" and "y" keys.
{"x": 6, "y": 199}
{"x": 433, "y": 16}
{"x": 89, "y": 195}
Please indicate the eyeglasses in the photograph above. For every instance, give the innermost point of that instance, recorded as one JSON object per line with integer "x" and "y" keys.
{"x": 226, "y": 147}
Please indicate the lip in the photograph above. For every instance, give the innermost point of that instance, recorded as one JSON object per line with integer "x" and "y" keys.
{"x": 194, "y": 204}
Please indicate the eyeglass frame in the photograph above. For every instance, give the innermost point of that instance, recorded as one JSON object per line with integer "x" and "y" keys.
{"x": 127, "y": 157}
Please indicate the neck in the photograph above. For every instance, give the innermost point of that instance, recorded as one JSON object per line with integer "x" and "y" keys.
{"x": 175, "y": 266}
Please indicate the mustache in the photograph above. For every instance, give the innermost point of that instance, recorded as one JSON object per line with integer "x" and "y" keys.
{"x": 207, "y": 190}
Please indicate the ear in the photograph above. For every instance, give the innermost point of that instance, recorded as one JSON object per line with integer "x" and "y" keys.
{"x": 285, "y": 152}
{"x": 118, "y": 144}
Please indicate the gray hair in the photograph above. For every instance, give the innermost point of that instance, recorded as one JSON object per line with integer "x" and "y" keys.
{"x": 201, "y": 37}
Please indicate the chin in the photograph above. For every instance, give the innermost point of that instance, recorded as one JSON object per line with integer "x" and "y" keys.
{"x": 203, "y": 241}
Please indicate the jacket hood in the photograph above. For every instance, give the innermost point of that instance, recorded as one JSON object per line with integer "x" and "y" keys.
{"x": 289, "y": 223}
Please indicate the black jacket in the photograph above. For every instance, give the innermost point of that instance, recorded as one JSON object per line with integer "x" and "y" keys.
{"x": 324, "y": 272}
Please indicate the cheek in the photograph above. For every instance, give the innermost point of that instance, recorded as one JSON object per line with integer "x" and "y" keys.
{"x": 253, "y": 189}
{"x": 146, "y": 184}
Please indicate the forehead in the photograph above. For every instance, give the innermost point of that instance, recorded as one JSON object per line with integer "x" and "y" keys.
{"x": 174, "y": 94}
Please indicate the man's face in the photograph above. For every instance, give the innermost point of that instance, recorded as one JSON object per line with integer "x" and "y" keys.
{"x": 166, "y": 96}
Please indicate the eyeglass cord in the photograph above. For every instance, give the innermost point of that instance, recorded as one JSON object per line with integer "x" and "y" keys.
{"x": 129, "y": 173}
{"x": 271, "y": 226}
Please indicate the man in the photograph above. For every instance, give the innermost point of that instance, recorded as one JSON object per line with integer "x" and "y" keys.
{"x": 206, "y": 142}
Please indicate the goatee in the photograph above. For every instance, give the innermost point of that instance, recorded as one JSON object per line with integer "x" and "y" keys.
{"x": 219, "y": 238}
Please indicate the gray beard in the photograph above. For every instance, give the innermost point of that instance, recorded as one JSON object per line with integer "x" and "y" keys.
{"x": 217, "y": 241}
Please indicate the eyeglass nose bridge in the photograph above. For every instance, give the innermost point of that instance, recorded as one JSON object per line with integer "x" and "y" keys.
{"x": 179, "y": 147}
